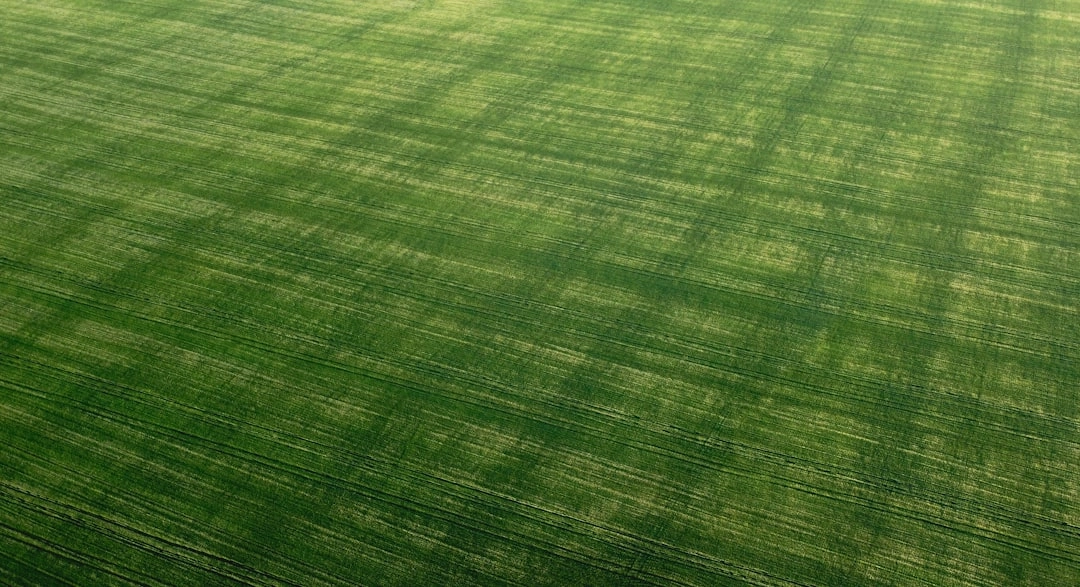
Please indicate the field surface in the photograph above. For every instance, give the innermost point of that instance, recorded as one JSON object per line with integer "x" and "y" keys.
{"x": 452, "y": 292}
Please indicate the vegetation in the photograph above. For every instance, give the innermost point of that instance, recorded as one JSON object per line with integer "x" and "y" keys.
{"x": 540, "y": 292}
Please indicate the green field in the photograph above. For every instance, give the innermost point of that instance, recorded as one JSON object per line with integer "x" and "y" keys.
{"x": 544, "y": 292}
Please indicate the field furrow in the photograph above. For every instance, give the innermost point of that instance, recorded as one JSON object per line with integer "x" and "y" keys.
{"x": 436, "y": 292}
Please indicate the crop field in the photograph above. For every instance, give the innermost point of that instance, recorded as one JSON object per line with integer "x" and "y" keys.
{"x": 543, "y": 292}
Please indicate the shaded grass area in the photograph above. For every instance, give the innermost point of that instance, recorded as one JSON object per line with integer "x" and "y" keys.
{"x": 440, "y": 292}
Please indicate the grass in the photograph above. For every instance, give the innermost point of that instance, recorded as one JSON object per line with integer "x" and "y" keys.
{"x": 443, "y": 292}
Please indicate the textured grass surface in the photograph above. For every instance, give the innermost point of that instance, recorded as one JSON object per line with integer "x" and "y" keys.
{"x": 540, "y": 292}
